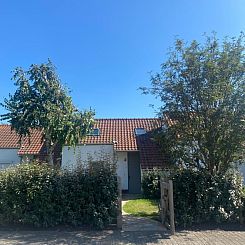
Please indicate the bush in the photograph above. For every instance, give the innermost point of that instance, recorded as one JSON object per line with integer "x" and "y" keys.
{"x": 151, "y": 183}
{"x": 42, "y": 196}
{"x": 200, "y": 197}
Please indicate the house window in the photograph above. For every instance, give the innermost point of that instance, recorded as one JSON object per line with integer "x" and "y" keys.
{"x": 139, "y": 131}
{"x": 94, "y": 132}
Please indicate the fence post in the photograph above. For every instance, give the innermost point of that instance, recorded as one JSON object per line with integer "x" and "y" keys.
{"x": 162, "y": 202}
{"x": 241, "y": 215}
{"x": 171, "y": 206}
{"x": 119, "y": 209}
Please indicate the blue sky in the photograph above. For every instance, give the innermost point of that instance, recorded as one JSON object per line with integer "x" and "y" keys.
{"x": 104, "y": 50}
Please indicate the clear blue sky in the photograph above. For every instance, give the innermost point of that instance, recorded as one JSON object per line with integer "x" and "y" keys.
{"x": 104, "y": 50}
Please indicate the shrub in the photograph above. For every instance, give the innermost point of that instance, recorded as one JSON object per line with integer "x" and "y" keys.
{"x": 201, "y": 197}
{"x": 42, "y": 196}
{"x": 151, "y": 183}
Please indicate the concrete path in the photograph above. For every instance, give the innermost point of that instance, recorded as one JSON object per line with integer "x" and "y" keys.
{"x": 115, "y": 237}
{"x": 139, "y": 232}
{"x": 132, "y": 223}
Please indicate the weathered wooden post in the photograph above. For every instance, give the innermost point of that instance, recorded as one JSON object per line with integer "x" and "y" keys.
{"x": 241, "y": 220}
{"x": 171, "y": 206}
{"x": 119, "y": 207}
{"x": 167, "y": 204}
{"x": 162, "y": 201}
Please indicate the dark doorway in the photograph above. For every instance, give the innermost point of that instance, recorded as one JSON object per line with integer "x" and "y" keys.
{"x": 134, "y": 173}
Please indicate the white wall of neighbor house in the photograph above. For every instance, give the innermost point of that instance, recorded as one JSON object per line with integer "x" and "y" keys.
{"x": 8, "y": 157}
{"x": 71, "y": 158}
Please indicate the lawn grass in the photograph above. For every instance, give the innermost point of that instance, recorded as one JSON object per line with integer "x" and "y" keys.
{"x": 142, "y": 208}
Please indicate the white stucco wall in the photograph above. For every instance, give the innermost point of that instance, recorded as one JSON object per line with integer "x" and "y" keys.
{"x": 71, "y": 157}
{"x": 8, "y": 157}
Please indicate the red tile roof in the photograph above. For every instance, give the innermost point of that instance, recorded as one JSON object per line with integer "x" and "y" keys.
{"x": 33, "y": 145}
{"x": 8, "y": 138}
{"x": 30, "y": 145}
{"x": 120, "y": 132}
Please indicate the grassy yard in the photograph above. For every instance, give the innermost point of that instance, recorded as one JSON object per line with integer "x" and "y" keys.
{"x": 142, "y": 207}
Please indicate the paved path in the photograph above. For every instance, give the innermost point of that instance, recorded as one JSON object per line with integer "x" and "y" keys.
{"x": 132, "y": 223}
{"x": 208, "y": 237}
{"x": 132, "y": 233}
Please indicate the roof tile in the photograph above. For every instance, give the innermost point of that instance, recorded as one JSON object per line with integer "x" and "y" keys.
{"x": 32, "y": 145}
{"x": 120, "y": 132}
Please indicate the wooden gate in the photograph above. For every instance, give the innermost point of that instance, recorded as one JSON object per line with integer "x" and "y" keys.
{"x": 167, "y": 204}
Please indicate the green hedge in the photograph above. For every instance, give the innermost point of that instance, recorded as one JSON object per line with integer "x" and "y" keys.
{"x": 199, "y": 196}
{"x": 151, "y": 183}
{"x": 42, "y": 196}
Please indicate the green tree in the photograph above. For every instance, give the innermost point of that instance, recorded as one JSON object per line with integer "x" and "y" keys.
{"x": 40, "y": 102}
{"x": 202, "y": 90}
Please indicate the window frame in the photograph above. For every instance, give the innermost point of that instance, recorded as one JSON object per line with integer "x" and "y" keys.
{"x": 142, "y": 131}
{"x": 94, "y": 132}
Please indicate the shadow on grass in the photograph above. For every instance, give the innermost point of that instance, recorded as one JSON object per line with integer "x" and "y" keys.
{"x": 144, "y": 214}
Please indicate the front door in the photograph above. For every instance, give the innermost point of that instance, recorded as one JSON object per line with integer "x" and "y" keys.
{"x": 122, "y": 169}
{"x": 134, "y": 173}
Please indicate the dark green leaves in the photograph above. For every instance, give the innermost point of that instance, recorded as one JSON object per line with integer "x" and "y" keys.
{"x": 41, "y": 102}
{"x": 202, "y": 90}
{"x": 199, "y": 196}
{"x": 42, "y": 196}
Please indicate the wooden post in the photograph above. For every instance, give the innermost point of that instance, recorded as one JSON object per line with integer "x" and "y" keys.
{"x": 241, "y": 219}
{"x": 241, "y": 215}
{"x": 162, "y": 202}
{"x": 171, "y": 206}
{"x": 167, "y": 204}
{"x": 119, "y": 209}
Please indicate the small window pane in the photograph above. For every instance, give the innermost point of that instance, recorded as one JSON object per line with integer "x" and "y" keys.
{"x": 94, "y": 132}
{"x": 140, "y": 131}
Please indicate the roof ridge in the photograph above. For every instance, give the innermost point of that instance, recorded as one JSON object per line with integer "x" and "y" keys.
{"x": 126, "y": 118}
{"x": 135, "y": 118}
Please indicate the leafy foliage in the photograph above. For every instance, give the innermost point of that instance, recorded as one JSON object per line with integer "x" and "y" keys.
{"x": 151, "y": 183}
{"x": 42, "y": 196}
{"x": 41, "y": 102}
{"x": 202, "y": 197}
{"x": 202, "y": 90}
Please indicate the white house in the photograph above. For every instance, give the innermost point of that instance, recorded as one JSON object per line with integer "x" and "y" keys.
{"x": 128, "y": 140}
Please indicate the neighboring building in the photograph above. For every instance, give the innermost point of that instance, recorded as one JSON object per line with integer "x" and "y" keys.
{"x": 12, "y": 152}
{"x": 130, "y": 139}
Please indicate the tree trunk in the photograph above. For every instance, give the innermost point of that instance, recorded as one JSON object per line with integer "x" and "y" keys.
{"x": 50, "y": 158}
{"x": 50, "y": 152}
